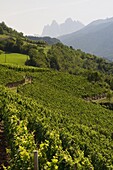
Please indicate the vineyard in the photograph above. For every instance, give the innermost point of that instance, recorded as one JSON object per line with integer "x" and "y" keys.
{"x": 50, "y": 115}
{"x": 64, "y": 88}
{"x": 54, "y": 100}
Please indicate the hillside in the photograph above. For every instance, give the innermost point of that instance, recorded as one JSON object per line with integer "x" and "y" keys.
{"x": 62, "y": 58}
{"x": 12, "y": 41}
{"x": 55, "y": 29}
{"x": 56, "y": 111}
{"x": 95, "y": 38}
{"x": 48, "y": 40}
{"x": 56, "y": 108}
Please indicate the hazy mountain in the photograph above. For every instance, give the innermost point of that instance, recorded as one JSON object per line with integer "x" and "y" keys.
{"x": 55, "y": 29}
{"x": 95, "y": 38}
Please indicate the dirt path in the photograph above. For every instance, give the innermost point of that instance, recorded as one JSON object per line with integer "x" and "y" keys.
{"x": 3, "y": 146}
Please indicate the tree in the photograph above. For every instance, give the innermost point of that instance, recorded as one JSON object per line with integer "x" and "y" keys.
{"x": 5, "y": 28}
{"x": 1, "y": 30}
{"x": 18, "y": 45}
{"x": 32, "y": 53}
{"x": 109, "y": 95}
{"x": 19, "y": 42}
{"x": 37, "y": 58}
{"x": 111, "y": 84}
{"x": 94, "y": 76}
{"x": 1, "y": 52}
{"x": 10, "y": 43}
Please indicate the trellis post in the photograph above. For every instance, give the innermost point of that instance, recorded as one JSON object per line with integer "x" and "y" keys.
{"x": 75, "y": 166}
{"x": 36, "y": 160}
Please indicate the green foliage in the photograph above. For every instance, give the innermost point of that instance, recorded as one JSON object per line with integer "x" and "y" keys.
{"x": 57, "y": 56}
{"x": 22, "y": 69}
{"x": 109, "y": 95}
{"x": 63, "y": 58}
{"x": 111, "y": 83}
{"x": 21, "y": 142}
{"x": 10, "y": 31}
{"x": 20, "y": 115}
{"x": 63, "y": 138}
{"x": 32, "y": 54}
{"x": 42, "y": 41}
{"x": 12, "y": 41}
{"x": 1, "y": 52}
{"x": 94, "y": 76}
{"x": 37, "y": 58}
{"x": 69, "y": 134}
{"x": 62, "y": 87}
{"x": 8, "y": 75}
{"x": 1, "y": 30}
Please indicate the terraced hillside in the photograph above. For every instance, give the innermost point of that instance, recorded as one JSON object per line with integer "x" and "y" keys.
{"x": 67, "y": 129}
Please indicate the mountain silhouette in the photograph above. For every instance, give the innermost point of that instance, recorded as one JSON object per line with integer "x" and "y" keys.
{"x": 55, "y": 29}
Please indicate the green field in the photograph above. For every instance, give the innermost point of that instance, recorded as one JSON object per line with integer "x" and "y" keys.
{"x": 13, "y": 58}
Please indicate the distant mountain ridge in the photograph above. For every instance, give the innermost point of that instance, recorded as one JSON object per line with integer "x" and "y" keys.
{"x": 48, "y": 40}
{"x": 95, "y": 38}
{"x": 55, "y": 29}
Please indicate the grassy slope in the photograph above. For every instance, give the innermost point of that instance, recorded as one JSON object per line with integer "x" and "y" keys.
{"x": 13, "y": 58}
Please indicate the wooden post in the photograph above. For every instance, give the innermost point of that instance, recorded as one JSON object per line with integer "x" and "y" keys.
{"x": 36, "y": 160}
{"x": 75, "y": 166}
{"x": 5, "y": 57}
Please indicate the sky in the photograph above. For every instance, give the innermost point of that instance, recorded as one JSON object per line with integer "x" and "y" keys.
{"x": 30, "y": 16}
